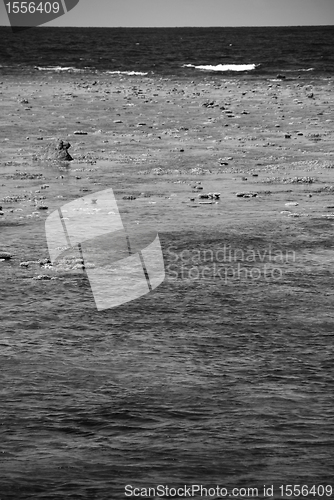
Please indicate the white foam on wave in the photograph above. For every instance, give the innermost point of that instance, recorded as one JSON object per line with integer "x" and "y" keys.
{"x": 223, "y": 67}
{"x": 130, "y": 73}
{"x": 57, "y": 68}
{"x": 297, "y": 69}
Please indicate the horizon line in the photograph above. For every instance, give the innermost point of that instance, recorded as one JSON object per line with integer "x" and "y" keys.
{"x": 174, "y": 27}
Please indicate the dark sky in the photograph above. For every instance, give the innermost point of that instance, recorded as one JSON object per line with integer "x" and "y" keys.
{"x": 157, "y": 13}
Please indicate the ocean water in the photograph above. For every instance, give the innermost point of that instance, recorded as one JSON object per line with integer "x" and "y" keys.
{"x": 195, "y": 383}
{"x": 170, "y": 51}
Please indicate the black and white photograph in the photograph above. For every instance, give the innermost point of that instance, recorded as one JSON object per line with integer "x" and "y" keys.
{"x": 167, "y": 249}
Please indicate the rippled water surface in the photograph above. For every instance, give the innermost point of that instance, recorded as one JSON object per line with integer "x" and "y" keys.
{"x": 197, "y": 382}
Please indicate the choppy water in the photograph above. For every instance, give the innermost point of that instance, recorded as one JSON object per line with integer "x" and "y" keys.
{"x": 199, "y": 382}
{"x": 171, "y": 51}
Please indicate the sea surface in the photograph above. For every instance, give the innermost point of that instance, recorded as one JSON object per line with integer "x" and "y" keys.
{"x": 170, "y": 51}
{"x": 197, "y": 383}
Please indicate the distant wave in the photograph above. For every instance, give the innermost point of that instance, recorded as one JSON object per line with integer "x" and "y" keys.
{"x": 78, "y": 70}
{"x": 223, "y": 67}
{"x": 297, "y": 69}
{"x": 130, "y": 73}
{"x": 58, "y": 68}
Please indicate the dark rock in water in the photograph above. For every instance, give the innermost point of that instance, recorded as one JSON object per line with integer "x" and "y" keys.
{"x": 211, "y": 196}
{"x": 5, "y": 255}
{"x": 246, "y": 195}
{"x": 280, "y": 77}
{"x": 59, "y": 152}
{"x": 211, "y": 104}
{"x": 42, "y": 262}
